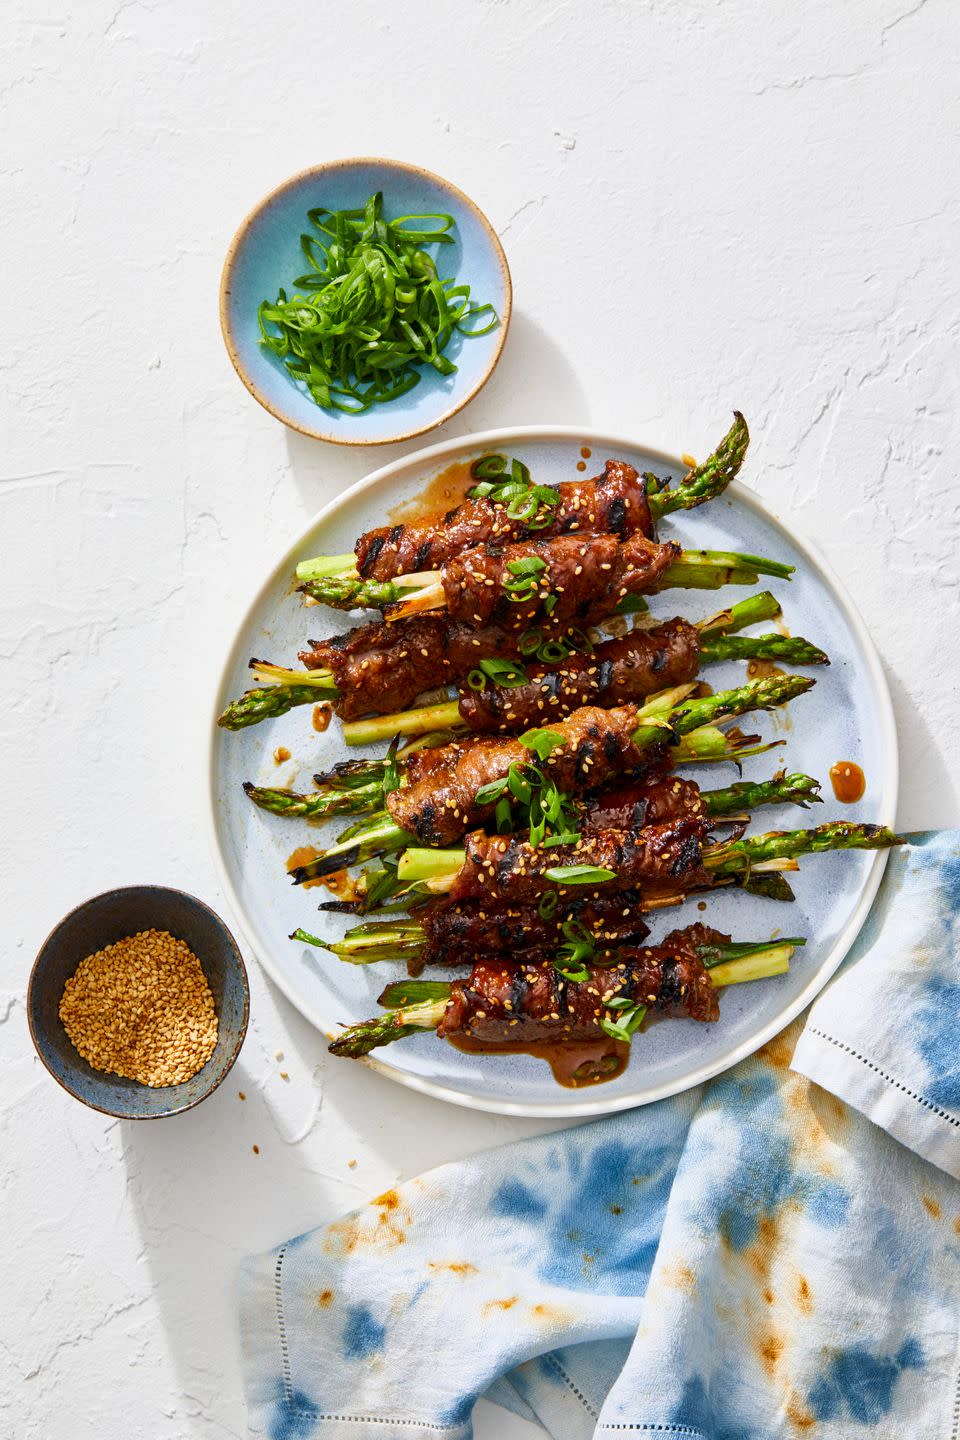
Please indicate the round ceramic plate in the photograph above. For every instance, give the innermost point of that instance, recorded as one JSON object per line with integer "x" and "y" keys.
{"x": 265, "y": 256}
{"x": 847, "y": 716}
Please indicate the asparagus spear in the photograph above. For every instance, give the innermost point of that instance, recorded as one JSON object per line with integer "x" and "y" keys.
{"x": 360, "y": 1039}
{"x": 777, "y": 849}
{"x": 692, "y": 715}
{"x": 305, "y": 687}
{"x": 362, "y": 791}
{"x": 703, "y": 746}
{"x": 702, "y": 483}
{"x": 420, "y": 591}
{"x": 794, "y": 789}
{"x": 381, "y": 835}
{"x": 318, "y": 807}
{"x": 738, "y": 855}
{"x": 404, "y": 938}
{"x": 292, "y": 687}
{"x": 705, "y": 481}
{"x": 423, "y": 1003}
{"x": 380, "y": 891}
{"x": 791, "y": 649}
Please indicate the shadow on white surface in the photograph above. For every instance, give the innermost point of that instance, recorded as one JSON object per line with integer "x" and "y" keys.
{"x": 330, "y": 1137}
{"x": 933, "y": 804}
{"x": 536, "y": 383}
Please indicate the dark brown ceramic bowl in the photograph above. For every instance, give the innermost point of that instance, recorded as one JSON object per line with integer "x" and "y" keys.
{"x": 99, "y": 922}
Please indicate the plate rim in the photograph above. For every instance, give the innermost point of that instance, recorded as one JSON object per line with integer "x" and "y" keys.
{"x": 240, "y": 235}
{"x": 591, "y": 1104}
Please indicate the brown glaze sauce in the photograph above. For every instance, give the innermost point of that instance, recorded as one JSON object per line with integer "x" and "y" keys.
{"x": 322, "y": 715}
{"x": 759, "y": 670}
{"x": 581, "y": 464}
{"x": 586, "y": 452}
{"x": 848, "y": 781}
{"x": 443, "y": 492}
{"x": 280, "y": 755}
{"x": 574, "y": 1065}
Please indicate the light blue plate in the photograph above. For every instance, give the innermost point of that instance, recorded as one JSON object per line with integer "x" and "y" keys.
{"x": 847, "y": 716}
{"x": 265, "y": 255}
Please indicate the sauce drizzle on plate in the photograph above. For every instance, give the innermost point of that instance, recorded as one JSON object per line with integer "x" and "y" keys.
{"x": 574, "y": 1065}
{"x": 848, "y": 781}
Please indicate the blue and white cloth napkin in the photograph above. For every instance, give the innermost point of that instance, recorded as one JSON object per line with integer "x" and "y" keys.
{"x": 754, "y": 1259}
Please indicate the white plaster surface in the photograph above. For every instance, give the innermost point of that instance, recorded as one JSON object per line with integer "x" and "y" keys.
{"x": 704, "y": 205}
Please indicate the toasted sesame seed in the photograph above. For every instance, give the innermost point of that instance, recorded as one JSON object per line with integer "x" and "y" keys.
{"x": 142, "y": 1008}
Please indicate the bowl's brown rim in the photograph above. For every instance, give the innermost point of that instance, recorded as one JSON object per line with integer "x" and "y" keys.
{"x": 323, "y": 168}
{"x": 244, "y": 1022}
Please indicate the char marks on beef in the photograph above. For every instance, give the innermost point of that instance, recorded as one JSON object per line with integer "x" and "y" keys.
{"x": 510, "y": 1004}
{"x": 457, "y": 932}
{"x": 629, "y": 667}
{"x": 597, "y": 747}
{"x": 507, "y": 868}
{"x": 583, "y": 579}
{"x": 639, "y": 803}
{"x": 614, "y": 502}
{"x": 382, "y": 668}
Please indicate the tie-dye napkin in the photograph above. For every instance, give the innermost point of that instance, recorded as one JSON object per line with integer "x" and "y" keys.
{"x": 885, "y": 1035}
{"x": 754, "y": 1259}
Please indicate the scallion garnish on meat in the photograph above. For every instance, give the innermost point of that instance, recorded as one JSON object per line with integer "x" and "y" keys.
{"x": 504, "y": 1004}
{"x": 550, "y": 818}
{"x": 661, "y": 857}
{"x": 618, "y": 502}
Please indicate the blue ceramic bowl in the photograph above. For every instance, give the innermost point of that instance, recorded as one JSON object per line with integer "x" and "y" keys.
{"x": 99, "y": 922}
{"x": 265, "y": 255}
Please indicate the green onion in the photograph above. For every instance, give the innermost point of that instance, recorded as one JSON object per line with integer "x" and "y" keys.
{"x": 527, "y": 565}
{"x": 391, "y": 770}
{"x": 531, "y": 504}
{"x": 579, "y": 874}
{"x": 541, "y": 742}
{"x": 554, "y": 651}
{"x": 548, "y": 812}
{"x": 522, "y": 583}
{"x": 493, "y": 467}
{"x": 632, "y": 605}
{"x": 569, "y": 971}
{"x": 631, "y": 1018}
{"x": 578, "y": 946}
{"x": 372, "y": 309}
{"x": 521, "y": 780}
{"x": 488, "y": 793}
{"x": 503, "y": 673}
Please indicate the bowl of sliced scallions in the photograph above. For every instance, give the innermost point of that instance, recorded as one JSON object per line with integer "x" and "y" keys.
{"x": 365, "y": 301}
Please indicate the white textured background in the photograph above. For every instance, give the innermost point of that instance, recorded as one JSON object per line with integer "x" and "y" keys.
{"x": 704, "y": 205}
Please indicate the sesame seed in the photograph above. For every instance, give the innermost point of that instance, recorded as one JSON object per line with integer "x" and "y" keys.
{"x": 142, "y": 1008}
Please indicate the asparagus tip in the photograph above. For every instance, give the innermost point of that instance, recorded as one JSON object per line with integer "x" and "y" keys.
{"x": 329, "y": 864}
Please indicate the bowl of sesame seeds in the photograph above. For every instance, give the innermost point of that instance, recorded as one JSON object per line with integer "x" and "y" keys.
{"x": 138, "y": 1002}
